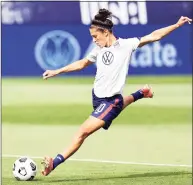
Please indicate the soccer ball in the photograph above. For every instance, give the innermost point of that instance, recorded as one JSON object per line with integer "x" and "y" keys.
{"x": 24, "y": 169}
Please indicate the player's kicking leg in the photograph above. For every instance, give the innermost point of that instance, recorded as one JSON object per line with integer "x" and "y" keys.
{"x": 91, "y": 125}
{"x": 145, "y": 92}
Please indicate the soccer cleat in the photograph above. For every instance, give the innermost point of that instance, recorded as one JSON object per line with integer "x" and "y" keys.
{"x": 47, "y": 165}
{"x": 147, "y": 91}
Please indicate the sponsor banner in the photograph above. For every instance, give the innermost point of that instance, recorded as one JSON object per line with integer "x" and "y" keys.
{"x": 130, "y": 12}
{"x": 28, "y": 50}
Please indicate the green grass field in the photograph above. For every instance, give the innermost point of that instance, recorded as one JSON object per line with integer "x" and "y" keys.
{"x": 147, "y": 144}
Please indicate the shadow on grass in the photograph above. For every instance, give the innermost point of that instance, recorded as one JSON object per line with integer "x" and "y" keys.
{"x": 156, "y": 174}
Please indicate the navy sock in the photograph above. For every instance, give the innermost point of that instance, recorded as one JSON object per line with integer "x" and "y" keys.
{"x": 137, "y": 95}
{"x": 58, "y": 160}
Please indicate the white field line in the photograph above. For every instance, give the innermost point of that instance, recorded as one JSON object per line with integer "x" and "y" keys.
{"x": 106, "y": 161}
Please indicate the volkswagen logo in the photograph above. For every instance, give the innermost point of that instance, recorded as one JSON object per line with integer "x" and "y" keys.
{"x": 56, "y": 49}
{"x": 107, "y": 58}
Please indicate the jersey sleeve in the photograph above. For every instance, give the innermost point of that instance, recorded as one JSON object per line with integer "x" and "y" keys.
{"x": 134, "y": 42}
{"x": 92, "y": 56}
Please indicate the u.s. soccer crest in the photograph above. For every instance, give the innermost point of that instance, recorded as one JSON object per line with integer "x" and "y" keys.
{"x": 56, "y": 49}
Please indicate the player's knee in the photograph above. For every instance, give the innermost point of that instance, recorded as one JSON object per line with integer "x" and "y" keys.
{"x": 83, "y": 134}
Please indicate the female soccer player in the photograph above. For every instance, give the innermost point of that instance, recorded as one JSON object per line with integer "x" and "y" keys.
{"x": 112, "y": 56}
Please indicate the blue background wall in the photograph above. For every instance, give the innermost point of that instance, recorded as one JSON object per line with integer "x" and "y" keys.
{"x": 21, "y": 43}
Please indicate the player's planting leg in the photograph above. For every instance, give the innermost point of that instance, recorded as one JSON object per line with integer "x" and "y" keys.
{"x": 91, "y": 125}
{"x": 145, "y": 92}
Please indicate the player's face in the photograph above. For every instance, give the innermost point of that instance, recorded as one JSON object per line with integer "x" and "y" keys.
{"x": 99, "y": 37}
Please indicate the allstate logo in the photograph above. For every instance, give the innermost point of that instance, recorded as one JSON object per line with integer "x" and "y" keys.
{"x": 56, "y": 49}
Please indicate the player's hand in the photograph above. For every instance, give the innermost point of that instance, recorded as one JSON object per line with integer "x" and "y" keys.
{"x": 49, "y": 73}
{"x": 183, "y": 20}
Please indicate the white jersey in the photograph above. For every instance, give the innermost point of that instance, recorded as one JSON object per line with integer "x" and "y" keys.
{"x": 112, "y": 66}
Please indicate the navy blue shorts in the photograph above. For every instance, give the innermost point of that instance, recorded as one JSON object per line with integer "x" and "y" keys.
{"x": 107, "y": 109}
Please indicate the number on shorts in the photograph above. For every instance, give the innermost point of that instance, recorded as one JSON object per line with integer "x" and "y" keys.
{"x": 100, "y": 108}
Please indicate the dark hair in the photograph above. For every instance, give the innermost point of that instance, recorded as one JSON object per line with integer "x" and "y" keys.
{"x": 103, "y": 20}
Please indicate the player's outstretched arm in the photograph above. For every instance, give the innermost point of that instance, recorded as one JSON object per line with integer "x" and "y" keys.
{"x": 75, "y": 66}
{"x": 160, "y": 33}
